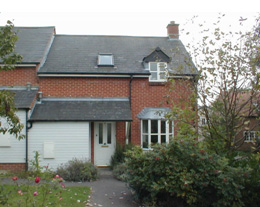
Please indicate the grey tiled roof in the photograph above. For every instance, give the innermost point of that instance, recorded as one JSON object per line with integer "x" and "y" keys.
{"x": 82, "y": 109}
{"x": 23, "y": 98}
{"x": 78, "y": 54}
{"x": 33, "y": 42}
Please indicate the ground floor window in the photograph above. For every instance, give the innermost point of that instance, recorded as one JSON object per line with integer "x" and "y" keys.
{"x": 155, "y": 131}
{"x": 250, "y": 136}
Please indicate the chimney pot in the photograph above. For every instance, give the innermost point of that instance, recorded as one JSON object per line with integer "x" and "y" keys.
{"x": 40, "y": 97}
{"x": 173, "y": 30}
{"x": 28, "y": 86}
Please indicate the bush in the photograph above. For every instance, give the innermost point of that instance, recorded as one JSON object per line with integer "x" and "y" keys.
{"x": 119, "y": 155}
{"x": 78, "y": 170}
{"x": 184, "y": 174}
{"x": 120, "y": 171}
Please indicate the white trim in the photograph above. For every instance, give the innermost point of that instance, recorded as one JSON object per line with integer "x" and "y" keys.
{"x": 149, "y": 134}
{"x": 158, "y": 72}
{"x": 92, "y": 75}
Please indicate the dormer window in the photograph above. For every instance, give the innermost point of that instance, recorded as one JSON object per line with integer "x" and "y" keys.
{"x": 105, "y": 60}
{"x": 158, "y": 71}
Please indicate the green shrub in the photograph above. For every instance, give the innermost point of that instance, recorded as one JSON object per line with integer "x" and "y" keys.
{"x": 184, "y": 174}
{"x": 120, "y": 171}
{"x": 78, "y": 170}
{"x": 119, "y": 155}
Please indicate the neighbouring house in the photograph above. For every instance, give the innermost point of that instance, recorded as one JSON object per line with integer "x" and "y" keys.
{"x": 248, "y": 137}
{"x": 79, "y": 95}
{"x": 245, "y": 111}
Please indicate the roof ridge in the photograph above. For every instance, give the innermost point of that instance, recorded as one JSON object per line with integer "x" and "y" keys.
{"x": 82, "y": 35}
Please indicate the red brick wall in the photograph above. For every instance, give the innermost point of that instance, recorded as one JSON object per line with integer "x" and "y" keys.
{"x": 18, "y": 77}
{"x": 13, "y": 167}
{"x": 144, "y": 94}
{"x": 120, "y": 133}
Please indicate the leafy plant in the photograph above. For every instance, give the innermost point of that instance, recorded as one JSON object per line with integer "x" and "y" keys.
{"x": 119, "y": 155}
{"x": 78, "y": 170}
{"x": 185, "y": 174}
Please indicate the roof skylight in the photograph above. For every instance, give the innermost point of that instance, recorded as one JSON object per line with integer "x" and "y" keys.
{"x": 105, "y": 60}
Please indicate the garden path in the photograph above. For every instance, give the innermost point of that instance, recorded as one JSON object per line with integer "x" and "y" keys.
{"x": 108, "y": 191}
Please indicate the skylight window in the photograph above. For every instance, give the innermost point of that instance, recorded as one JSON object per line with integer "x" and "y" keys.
{"x": 105, "y": 60}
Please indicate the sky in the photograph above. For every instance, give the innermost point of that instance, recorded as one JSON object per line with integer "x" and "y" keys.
{"x": 121, "y": 17}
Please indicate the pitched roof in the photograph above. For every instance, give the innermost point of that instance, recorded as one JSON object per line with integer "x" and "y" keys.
{"x": 71, "y": 54}
{"x": 82, "y": 109}
{"x": 33, "y": 42}
{"x": 23, "y": 98}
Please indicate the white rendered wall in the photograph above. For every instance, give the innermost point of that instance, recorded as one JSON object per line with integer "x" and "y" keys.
{"x": 59, "y": 142}
{"x": 11, "y": 149}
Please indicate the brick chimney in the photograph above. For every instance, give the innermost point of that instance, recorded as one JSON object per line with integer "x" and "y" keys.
{"x": 173, "y": 30}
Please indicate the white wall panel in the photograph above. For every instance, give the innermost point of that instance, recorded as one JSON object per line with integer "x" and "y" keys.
{"x": 67, "y": 140}
{"x": 15, "y": 152}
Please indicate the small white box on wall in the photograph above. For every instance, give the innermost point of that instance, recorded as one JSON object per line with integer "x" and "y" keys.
{"x": 48, "y": 150}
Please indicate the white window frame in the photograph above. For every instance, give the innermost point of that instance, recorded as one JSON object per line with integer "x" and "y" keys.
{"x": 250, "y": 136}
{"x": 158, "y": 72}
{"x": 149, "y": 134}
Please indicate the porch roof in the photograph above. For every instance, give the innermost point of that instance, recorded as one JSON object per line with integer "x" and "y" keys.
{"x": 23, "y": 98}
{"x": 82, "y": 109}
{"x": 153, "y": 113}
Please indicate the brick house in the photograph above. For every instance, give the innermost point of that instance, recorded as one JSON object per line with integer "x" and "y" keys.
{"x": 85, "y": 93}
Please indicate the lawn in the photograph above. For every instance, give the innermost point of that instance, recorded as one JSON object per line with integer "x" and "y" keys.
{"x": 43, "y": 196}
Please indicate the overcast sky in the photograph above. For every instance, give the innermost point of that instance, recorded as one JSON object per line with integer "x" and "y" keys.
{"x": 121, "y": 17}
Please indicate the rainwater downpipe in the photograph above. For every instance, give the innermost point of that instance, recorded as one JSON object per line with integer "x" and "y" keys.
{"x": 130, "y": 100}
{"x": 26, "y": 138}
{"x": 130, "y": 89}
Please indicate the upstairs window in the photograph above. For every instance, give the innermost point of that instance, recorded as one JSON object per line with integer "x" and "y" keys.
{"x": 158, "y": 71}
{"x": 105, "y": 60}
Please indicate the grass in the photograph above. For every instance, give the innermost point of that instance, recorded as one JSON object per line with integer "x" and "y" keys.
{"x": 71, "y": 196}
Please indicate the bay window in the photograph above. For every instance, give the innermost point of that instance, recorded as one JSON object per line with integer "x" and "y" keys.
{"x": 155, "y": 132}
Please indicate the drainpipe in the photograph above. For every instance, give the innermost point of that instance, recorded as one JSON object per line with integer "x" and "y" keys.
{"x": 128, "y": 137}
{"x": 26, "y": 139}
{"x": 130, "y": 89}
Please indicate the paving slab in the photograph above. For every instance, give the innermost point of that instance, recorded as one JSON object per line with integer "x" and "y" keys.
{"x": 108, "y": 191}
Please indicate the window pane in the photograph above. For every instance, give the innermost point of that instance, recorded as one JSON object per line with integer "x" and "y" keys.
{"x": 154, "y": 139}
{"x": 153, "y": 66}
{"x": 162, "y": 76}
{"x": 145, "y": 126}
{"x": 145, "y": 141}
{"x": 163, "y": 126}
{"x": 154, "y": 126}
{"x": 105, "y": 60}
{"x": 100, "y": 126}
{"x": 170, "y": 127}
{"x": 153, "y": 76}
{"x": 163, "y": 139}
{"x": 162, "y": 66}
{"x": 109, "y": 134}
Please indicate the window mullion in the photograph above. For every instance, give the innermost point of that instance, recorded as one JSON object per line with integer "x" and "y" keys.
{"x": 149, "y": 133}
{"x": 167, "y": 131}
{"x": 159, "y": 131}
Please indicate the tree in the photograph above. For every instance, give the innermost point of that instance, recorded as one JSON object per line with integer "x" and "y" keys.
{"x": 9, "y": 122}
{"x": 227, "y": 64}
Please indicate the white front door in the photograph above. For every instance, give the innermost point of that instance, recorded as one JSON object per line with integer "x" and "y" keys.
{"x": 105, "y": 142}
